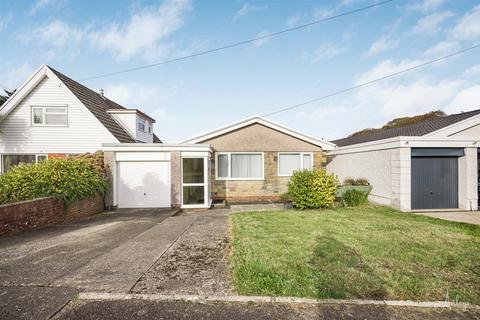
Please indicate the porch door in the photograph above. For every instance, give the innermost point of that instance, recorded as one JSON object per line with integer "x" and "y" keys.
{"x": 195, "y": 182}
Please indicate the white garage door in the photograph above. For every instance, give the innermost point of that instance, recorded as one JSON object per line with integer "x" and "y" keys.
{"x": 144, "y": 184}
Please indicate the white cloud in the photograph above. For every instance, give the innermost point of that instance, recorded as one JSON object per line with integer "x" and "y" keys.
{"x": 5, "y": 20}
{"x": 472, "y": 71}
{"x": 260, "y": 42}
{"x": 322, "y": 13}
{"x": 145, "y": 31}
{"x": 149, "y": 99}
{"x": 468, "y": 27}
{"x": 425, "y": 5}
{"x": 327, "y": 52}
{"x": 464, "y": 100}
{"x": 384, "y": 68}
{"x": 441, "y": 48}
{"x": 15, "y": 76}
{"x": 246, "y": 9}
{"x": 293, "y": 21}
{"x": 40, "y": 4}
{"x": 431, "y": 23}
{"x": 381, "y": 45}
{"x": 56, "y": 33}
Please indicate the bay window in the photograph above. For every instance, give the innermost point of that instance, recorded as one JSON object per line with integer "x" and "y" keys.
{"x": 239, "y": 166}
{"x": 288, "y": 162}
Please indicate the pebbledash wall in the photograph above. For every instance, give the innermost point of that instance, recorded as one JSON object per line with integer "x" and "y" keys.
{"x": 41, "y": 212}
{"x": 258, "y": 138}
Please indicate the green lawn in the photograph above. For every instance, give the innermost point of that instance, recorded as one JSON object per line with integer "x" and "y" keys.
{"x": 368, "y": 252}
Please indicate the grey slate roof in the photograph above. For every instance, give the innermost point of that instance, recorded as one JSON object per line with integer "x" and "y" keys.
{"x": 98, "y": 106}
{"x": 417, "y": 129}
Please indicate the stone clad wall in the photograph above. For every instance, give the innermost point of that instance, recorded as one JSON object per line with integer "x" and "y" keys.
{"x": 269, "y": 189}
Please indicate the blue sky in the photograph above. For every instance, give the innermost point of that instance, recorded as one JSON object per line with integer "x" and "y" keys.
{"x": 86, "y": 38}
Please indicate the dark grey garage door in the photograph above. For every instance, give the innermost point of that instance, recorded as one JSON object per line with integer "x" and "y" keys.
{"x": 434, "y": 182}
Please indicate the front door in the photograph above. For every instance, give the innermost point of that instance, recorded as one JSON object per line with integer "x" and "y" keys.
{"x": 195, "y": 182}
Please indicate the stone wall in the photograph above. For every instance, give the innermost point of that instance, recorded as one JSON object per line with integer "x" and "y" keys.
{"x": 269, "y": 189}
{"x": 41, "y": 212}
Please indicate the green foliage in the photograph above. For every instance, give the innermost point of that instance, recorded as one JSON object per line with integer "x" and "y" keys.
{"x": 310, "y": 189}
{"x": 71, "y": 179}
{"x": 403, "y": 121}
{"x": 285, "y": 198}
{"x": 354, "y": 198}
{"x": 349, "y": 182}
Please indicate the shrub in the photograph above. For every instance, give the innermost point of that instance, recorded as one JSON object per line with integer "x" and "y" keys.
{"x": 361, "y": 182}
{"x": 310, "y": 189}
{"x": 354, "y": 198}
{"x": 71, "y": 179}
{"x": 349, "y": 182}
{"x": 285, "y": 198}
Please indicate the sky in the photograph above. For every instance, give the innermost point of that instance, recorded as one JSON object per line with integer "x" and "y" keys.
{"x": 83, "y": 38}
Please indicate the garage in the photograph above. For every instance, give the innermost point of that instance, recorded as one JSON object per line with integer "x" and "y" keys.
{"x": 434, "y": 179}
{"x": 143, "y": 180}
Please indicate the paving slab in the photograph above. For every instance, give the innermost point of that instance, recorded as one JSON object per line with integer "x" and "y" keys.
{"x": 33, "y": 302}
{"x": 472, "y": 217}
{"x": 119, "y": 269}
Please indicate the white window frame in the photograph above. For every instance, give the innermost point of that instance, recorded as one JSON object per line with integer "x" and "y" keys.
{"x": 144, "y": 122}
{"x": 229, "y": 156}
{"x": 301, "y": 161}
{"x": 44, "y": 115}
{"x": 19, "y": 154}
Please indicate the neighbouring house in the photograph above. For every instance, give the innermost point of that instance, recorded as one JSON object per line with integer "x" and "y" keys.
{"x": 51, "y": 115}
{"x": 247, "y": 161}
{"x": 432, "y": 164}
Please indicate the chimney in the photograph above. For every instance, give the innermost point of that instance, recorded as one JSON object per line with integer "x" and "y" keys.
{"x": 101, "y": 94}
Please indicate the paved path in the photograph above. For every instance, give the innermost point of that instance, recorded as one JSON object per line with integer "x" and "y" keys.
{"x": 110, "y": 252}
{"x": 472, "y": 217}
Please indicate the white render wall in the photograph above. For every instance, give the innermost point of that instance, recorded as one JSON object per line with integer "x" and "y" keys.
{"x": 376, "y": 166}
{"x": 84, "y": 132}
{"x": 467, "y": 180}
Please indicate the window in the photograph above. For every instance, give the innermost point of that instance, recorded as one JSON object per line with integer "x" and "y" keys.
{"x": 49, "y": 116}
{"x": 239, "y": 166}
{"x": 11, "y": 160}
{"x": 141, "y": 125}
{"x": 290, "y": 162}
{"x": 150, "y": 129}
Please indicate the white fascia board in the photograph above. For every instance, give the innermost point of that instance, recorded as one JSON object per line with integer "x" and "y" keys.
{"x": 408, "y": 142}
{"x": 325, "y": 145}
{"x": 146, "y": 147}
{"x": 23, "y": 90}
{"x": 456, "y": 127}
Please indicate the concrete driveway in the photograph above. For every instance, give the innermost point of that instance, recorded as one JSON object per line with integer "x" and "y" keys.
{"x": 42, "y": 270}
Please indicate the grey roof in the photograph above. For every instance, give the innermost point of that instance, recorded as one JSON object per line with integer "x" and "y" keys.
{"x": 416, "y": 129}
{"x": 98, "y": 106}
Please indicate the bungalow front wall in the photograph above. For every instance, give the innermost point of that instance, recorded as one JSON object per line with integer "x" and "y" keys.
{"x": 254, "y": 163}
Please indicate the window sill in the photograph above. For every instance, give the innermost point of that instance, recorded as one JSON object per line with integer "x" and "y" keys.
{"x": 239, "y": 179}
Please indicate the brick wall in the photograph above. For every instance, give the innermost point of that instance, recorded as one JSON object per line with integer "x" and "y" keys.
{"x": 38, "y": 213}
{"x": 269, "y": 189}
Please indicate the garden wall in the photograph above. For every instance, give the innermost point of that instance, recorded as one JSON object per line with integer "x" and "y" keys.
{"x": 41, "y": 212}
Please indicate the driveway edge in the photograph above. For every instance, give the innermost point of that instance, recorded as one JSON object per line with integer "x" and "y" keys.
{"x": 105, "y": 296}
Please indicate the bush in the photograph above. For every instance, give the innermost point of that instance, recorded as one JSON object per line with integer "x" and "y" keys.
{"x": 71, "y": 179}
{"x": 311, "y": 189}
{"x": 354, "y": 198}
{"x": 349, "y": 182}
{"x": 285, "y": 198}
{"x": 361, "y": 182}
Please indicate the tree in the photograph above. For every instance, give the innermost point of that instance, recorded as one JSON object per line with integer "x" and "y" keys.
{"x": 4, "y": 98}
{"x": 403, "y": 121}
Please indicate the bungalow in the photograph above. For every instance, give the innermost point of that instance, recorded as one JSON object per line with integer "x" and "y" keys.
{"x": 432, "y": 164}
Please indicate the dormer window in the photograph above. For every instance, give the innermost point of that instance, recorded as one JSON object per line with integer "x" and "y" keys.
{"x": 49, "y": 116}
{"x": 141, "y": 125}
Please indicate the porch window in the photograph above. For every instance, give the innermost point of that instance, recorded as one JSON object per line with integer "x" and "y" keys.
{"x": 292, "y": 161}
{"x": 239, "y": 166}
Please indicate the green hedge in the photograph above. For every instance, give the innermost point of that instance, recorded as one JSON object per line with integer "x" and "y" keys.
{"x": 71, "y": 179}
{"x": 311, "y": 189}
